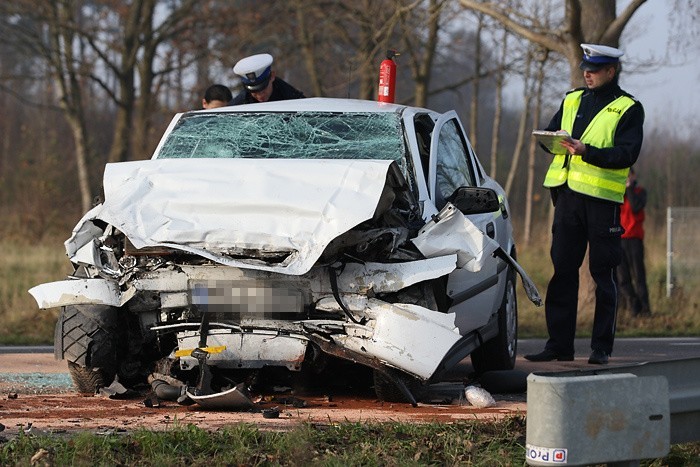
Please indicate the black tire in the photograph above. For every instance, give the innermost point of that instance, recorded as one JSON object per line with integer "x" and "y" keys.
{"x": 387, "y": 390}
{"x": 499, "y": 353}
{"x": 89, "y": 380}
{"x": 87, "y": 337}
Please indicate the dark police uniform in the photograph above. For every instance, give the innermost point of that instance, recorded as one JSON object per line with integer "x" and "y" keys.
{"x": 590, "y": 218}
{"x": 255, "y": 73}
{"x": 281, "y": 90}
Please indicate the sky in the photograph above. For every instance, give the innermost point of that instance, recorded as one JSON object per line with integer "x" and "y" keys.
{"x": 670, "y": 93}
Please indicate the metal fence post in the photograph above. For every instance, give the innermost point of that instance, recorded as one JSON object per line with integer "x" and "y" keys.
{"x": 669, "y": 251}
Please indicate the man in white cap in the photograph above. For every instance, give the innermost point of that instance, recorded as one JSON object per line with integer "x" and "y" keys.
{"x": 587, "y": 185}
{"x": 260, "y": 83}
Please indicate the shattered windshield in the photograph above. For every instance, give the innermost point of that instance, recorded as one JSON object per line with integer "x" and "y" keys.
{"x": 298, "y": 135}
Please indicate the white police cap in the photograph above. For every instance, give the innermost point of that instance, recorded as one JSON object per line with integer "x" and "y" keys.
{"x": 254, "y": 71}
{"x": 596, "y": 56}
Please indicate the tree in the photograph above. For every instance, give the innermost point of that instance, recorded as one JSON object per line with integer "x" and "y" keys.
{"x": 522, "y": 126}
{"x": 126, "y": 39}
{"x": 584, "y": 21}
{"x": 48, "y": 29}
{"x": 500, "y": 82}
{"x": 421, "y": 48}
{"x": 541, "y": 61}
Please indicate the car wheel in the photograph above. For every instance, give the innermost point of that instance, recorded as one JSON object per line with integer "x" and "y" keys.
{"x": 89, "y": 380}
{"x": 86, "y": 336}
{"x": 388, "y": 391}
{"x": 499, "y": 353}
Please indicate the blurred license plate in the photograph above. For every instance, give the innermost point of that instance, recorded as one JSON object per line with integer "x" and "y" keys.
{"x": 246, "y": 298}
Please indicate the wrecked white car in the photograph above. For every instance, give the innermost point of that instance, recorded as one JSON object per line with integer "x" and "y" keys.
{"x": 278, "y": 240}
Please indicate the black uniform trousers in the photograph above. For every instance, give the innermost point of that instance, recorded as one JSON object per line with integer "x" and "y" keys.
{"x": 581, "y": 221}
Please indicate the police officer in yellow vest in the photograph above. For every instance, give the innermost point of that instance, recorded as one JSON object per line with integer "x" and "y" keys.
{"x": 587, "y": 184}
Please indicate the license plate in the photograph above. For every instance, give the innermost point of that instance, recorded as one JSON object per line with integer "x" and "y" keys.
{"x": 249, "y": 298}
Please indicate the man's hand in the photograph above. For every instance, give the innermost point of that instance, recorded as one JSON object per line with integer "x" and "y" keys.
{"x": 575, "y": 147}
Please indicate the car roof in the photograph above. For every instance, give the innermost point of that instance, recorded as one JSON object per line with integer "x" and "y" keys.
{"x": 318, "y": 104}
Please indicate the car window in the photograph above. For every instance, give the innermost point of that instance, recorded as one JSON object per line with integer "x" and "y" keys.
{"x": 279, "y": 135}
{"x": 453, "y": 167}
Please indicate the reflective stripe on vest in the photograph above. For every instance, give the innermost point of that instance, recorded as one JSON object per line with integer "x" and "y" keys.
{"x": 582, "y": 177}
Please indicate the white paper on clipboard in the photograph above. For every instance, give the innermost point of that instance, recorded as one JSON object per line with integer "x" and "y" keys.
{"x": 552, "y": 140}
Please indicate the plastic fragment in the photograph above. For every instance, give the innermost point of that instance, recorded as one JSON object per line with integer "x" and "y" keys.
{"x": 479, "y": 397}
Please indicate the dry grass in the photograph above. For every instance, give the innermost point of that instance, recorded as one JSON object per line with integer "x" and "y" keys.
{"x": 678, "y": 315}
{"x": 23, "y": 266}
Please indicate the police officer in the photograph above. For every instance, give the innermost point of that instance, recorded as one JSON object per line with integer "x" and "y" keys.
{"x": 260, "y": 82}
{"x": 587, "y": 186}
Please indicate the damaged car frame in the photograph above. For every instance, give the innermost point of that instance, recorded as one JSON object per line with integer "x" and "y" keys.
{"x": 279, "y": 240}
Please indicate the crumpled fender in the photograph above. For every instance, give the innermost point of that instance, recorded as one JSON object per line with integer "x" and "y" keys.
{"x": 80, "y": 292}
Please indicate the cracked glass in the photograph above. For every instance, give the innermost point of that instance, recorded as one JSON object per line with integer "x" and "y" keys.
{"x": 300, "y": 135}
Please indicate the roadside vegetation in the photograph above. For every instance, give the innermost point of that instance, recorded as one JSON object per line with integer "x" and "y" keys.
{"x": 474, "y": 443}
{"x": 675, "y": 316}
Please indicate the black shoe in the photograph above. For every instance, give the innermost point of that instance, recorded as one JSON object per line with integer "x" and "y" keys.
{"x": 547, "y": 356}
{"x": 598, "y": 357}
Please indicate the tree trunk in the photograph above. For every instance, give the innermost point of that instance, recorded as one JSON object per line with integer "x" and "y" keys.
{"x": 474, "y": 106}
{"x": 66, "y": 76}
{"x": 527, "y": 97}
{"x": 532, "y": 152}
{"x": 139, "y": 10}
{"x": 77, "y": 126}
{"x": 306, "y": 46}
{"x": 423, "y": 67}
{"x": 500, "y": 81}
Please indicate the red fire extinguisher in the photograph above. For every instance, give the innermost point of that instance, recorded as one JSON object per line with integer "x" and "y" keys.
{"x": 387, "y": 77}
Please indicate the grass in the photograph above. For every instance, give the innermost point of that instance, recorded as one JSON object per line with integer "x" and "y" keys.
{"x": 23, "y": 266}
{"x": 676, "y": 316}
{"x": 476, "y": 443}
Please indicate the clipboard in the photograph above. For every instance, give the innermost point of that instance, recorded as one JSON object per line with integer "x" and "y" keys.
{"x": 552, "y": 140}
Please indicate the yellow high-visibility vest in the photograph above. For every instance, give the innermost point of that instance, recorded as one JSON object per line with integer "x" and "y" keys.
{"x": 582, "y": 177}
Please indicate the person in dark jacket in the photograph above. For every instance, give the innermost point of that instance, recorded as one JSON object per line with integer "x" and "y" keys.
{"x": 260, "y": 82}
{"x": 587, "y": 185}
{"x": 631, "y": 273}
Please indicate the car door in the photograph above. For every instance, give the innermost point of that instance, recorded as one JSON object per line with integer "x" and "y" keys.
{"x": 475, "y": 295}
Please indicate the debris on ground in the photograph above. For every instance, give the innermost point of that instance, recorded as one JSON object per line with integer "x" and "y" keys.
{"x": 273, "y": 412}
{"x": 42, "y": 457}
{"x": 116, "y": 390}
{"x": 479, "y": 397}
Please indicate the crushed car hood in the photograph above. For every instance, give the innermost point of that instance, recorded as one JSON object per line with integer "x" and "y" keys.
{"x": 237, "y": 211}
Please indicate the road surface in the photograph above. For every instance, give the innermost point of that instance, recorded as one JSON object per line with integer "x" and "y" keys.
{"x": 35, "y": 390}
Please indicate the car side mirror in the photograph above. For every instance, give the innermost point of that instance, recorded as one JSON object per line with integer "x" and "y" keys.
{"x": 475, "y": 200}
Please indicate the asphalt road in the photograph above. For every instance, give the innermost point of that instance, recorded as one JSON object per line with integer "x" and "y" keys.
{"x": 628, "y": 351}
{"x": 46, "y": 399}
